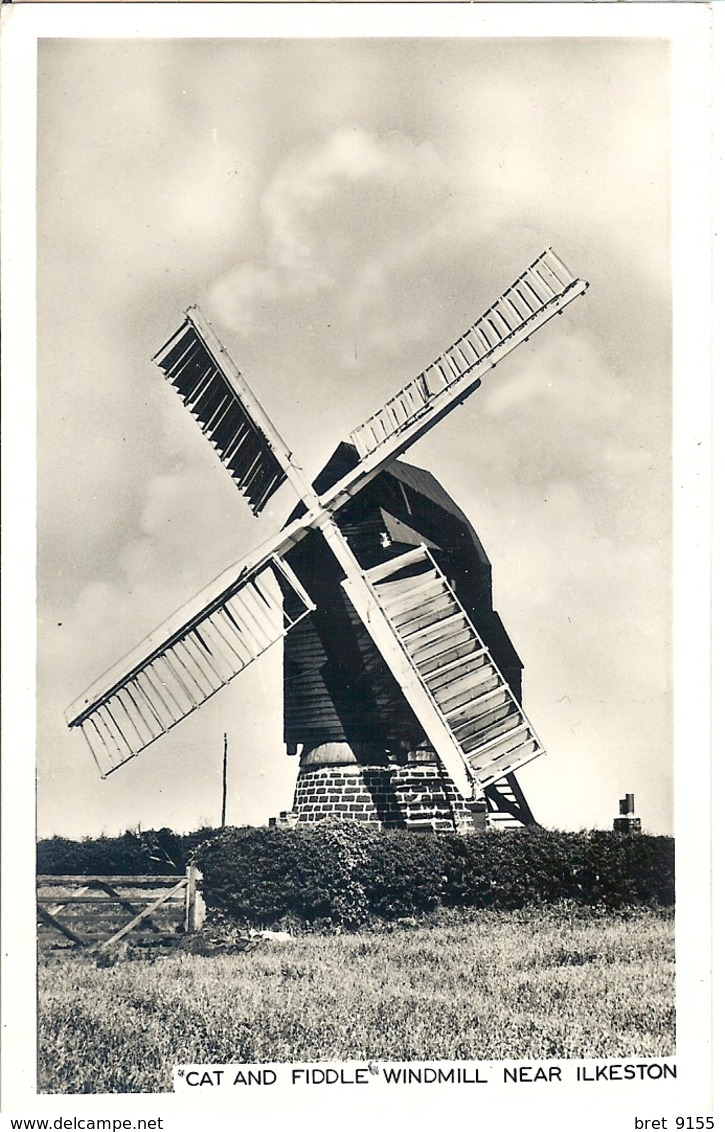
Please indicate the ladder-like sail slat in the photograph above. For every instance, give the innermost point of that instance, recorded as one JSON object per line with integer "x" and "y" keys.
{"x": 475, "y": 723}
{"x": 540, "y": 292}
{"x": 164, "y": 680}
{"x": 443, "y": 667}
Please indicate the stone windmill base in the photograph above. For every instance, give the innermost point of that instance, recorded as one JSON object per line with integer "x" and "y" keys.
{"x": 417, "y": 794}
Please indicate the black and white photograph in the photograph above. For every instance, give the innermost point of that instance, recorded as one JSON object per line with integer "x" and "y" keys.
{"x": 370, "y": 732}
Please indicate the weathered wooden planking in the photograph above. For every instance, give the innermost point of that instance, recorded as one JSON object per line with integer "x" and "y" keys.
{"x": 143, "y": 915}
{"x": 142, "y": 881}
{"x": 101, "y": 900}
{"x": 217, "y": 396}
{"x": 179, "y": 895}
{"x": 477, "y": 734}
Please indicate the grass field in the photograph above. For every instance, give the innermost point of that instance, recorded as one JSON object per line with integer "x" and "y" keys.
{"x": 555, "y": 983}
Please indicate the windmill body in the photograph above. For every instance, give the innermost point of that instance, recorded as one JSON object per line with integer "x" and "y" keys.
{"x": 342, "y": 707}
{"x": 397, "y": 667}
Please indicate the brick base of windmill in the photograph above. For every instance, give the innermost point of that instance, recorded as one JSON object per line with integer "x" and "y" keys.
{"x": 415, "y": 794}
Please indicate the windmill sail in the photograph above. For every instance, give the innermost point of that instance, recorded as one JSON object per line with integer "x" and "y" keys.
{"x": 447, "y": 674}
{"x": 540, "y": 292}
{"x": 178, "y": 668}
{"x": 445, "y": 671}
{"x": 217, "y": 396}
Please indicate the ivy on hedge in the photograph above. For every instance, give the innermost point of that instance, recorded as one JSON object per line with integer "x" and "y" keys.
{"x": 344, "y": 873}
{"x": 347, "y": 873}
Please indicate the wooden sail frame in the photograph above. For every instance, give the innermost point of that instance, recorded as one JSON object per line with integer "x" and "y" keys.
{"x": 187, "y": 660}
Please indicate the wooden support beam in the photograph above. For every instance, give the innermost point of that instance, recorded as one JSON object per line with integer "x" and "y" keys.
{"x": 509, "y": 797}
{"x": 58, "y": 907}
{"x": 191, "y": 912}
{"x": 145, "y": 913}
{"x": 150, "y": 880}
{"x": 394, "y": 565}
{"x": 49, "y": 919}
{"x": 112, "y": 894}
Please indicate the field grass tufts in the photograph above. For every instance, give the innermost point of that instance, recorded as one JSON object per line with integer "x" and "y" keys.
{"x": 557, "y": 982}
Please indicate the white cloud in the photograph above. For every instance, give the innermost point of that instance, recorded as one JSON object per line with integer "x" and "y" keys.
{"x": 236, "y": 297}
{"x": 568, "y": 372}
{"x": 345, "y": 257}
{"x": 326, "y": 212}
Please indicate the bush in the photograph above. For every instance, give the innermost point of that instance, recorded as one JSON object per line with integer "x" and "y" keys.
{"x": 404, "y": 874}
{"x": 346, "y": 874}
{"x": 261, "y": 876}
{"x": 134, "y": 853}
{"x": 537, "y": 866}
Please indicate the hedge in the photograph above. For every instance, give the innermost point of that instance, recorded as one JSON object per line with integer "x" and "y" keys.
{"x": 134, "y": 853}
{"x": 347, "y": 874}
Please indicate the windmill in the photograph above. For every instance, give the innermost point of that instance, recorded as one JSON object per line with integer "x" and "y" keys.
{"x": 402, "y": 690}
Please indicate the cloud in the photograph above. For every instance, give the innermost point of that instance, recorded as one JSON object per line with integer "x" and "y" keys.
{"x": 235, "y": 299}
{"x": 355, "y": 205}
{"x": 326, "y": 213}
{"x": 561, "y": 375}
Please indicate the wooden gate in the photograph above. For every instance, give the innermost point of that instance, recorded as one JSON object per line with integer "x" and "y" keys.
{"x": 93, "y": 910}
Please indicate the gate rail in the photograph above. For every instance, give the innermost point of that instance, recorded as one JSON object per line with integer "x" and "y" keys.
{"x": 97, "y": 893}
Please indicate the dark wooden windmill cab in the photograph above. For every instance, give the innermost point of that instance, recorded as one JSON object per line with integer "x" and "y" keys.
{"x": 363, "y": 753}
{"x": 402, "y": 689}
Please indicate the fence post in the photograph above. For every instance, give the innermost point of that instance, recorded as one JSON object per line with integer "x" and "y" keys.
{"x": 191, "y": 912}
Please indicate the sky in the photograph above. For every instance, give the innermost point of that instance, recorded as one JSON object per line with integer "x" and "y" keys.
{"x": 342, "y": 210}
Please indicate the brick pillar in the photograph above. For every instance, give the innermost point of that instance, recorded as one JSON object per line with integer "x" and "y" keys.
{"x": 412, "y": 796}
{"x": 429, "y": 800}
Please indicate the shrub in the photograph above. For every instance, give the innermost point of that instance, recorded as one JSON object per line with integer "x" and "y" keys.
{"x": 404, "y": 874}
{"x": 342, "y": 873}
{"x": 345, "y": 873}
{"x": 134, "y": 853}
{"x": 262, "y": 875}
